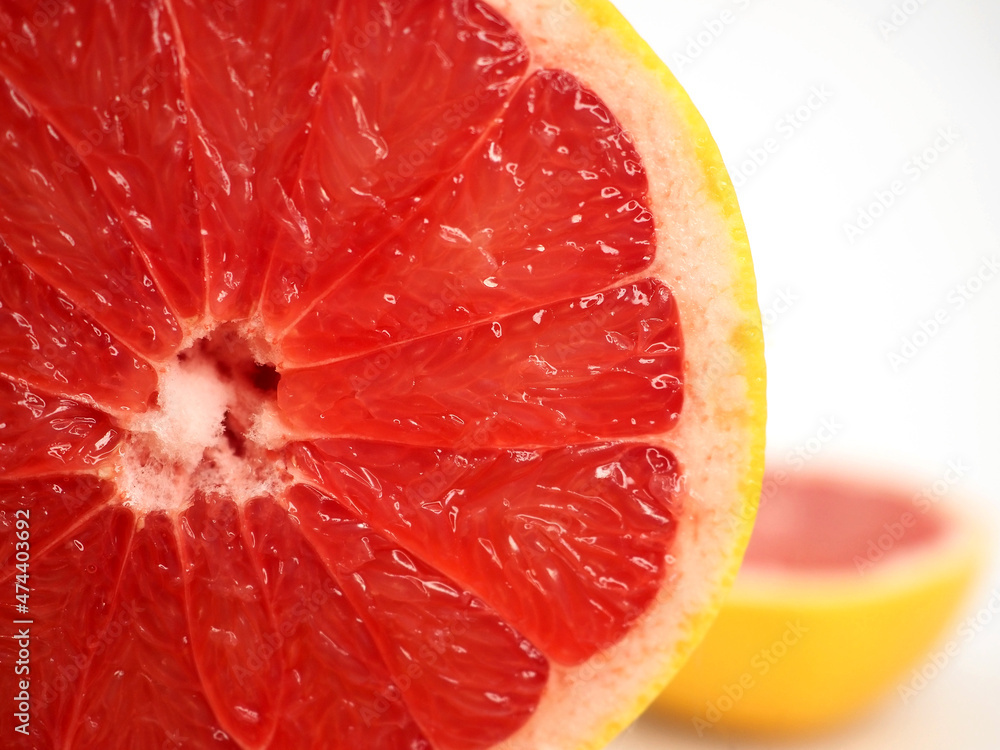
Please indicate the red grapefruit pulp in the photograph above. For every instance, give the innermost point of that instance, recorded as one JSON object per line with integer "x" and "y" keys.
{"x": 344, "y": 399}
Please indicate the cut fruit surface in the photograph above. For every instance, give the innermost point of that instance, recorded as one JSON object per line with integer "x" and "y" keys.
{"x": 847, "y": 582}
{"x": 372, "y": 374}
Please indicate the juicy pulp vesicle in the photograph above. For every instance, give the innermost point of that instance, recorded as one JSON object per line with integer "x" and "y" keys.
{"x": 330, "y": 396}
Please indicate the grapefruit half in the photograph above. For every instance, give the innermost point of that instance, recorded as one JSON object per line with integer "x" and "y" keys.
{"x": 849, "y": 580}
{"x": 372, "y": 374}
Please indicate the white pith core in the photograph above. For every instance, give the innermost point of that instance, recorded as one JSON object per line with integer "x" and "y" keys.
{"x": 203, "y": 435}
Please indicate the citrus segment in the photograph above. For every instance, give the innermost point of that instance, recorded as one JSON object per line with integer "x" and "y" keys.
{"x": 431, "y": 633}
{"x": 379, "y": 143}
{"x": 115, "y": 101}
{"x": 568, "y": 545}
{"x": 252, "y": 115}
{"x": 550, "y": 202}
{"x": 46, "y": 341}
{"x": 77, "y": 577}
{"x": 46, "y": 434}
{"x": 72, "y": 238}
{"x": 336, "y": 686}
{"x": 90, "y": 563}
{"x": 565, "y": 373}
{"x": 226, "y": 621}
{"x": 62, "y": 503}
{"x": 141, "y": 687}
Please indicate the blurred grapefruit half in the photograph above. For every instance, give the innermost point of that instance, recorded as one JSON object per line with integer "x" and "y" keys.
{"x": 372, "y": 374}
{"x": 849, "y": 580}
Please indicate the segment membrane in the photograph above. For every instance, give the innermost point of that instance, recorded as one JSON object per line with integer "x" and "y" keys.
{"x": 569, "y": 545}
{"x": 45, "y": 434}
{"x": 47, "y": 342}
{"x": 55, "y": 219}
{"x": 432, "y": 634}
{"x": 411, "y": 88}
{"x": 550, "y": 203}
{"x": 105, "y": 74}
{"x": 251, "y": 75}
{"x": 608, "y": 365}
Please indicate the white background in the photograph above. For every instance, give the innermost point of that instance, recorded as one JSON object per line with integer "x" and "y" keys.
{"x": 893, "y": 75}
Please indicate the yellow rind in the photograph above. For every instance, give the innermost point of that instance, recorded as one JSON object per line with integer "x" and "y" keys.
{"x": 748, "y": 340}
